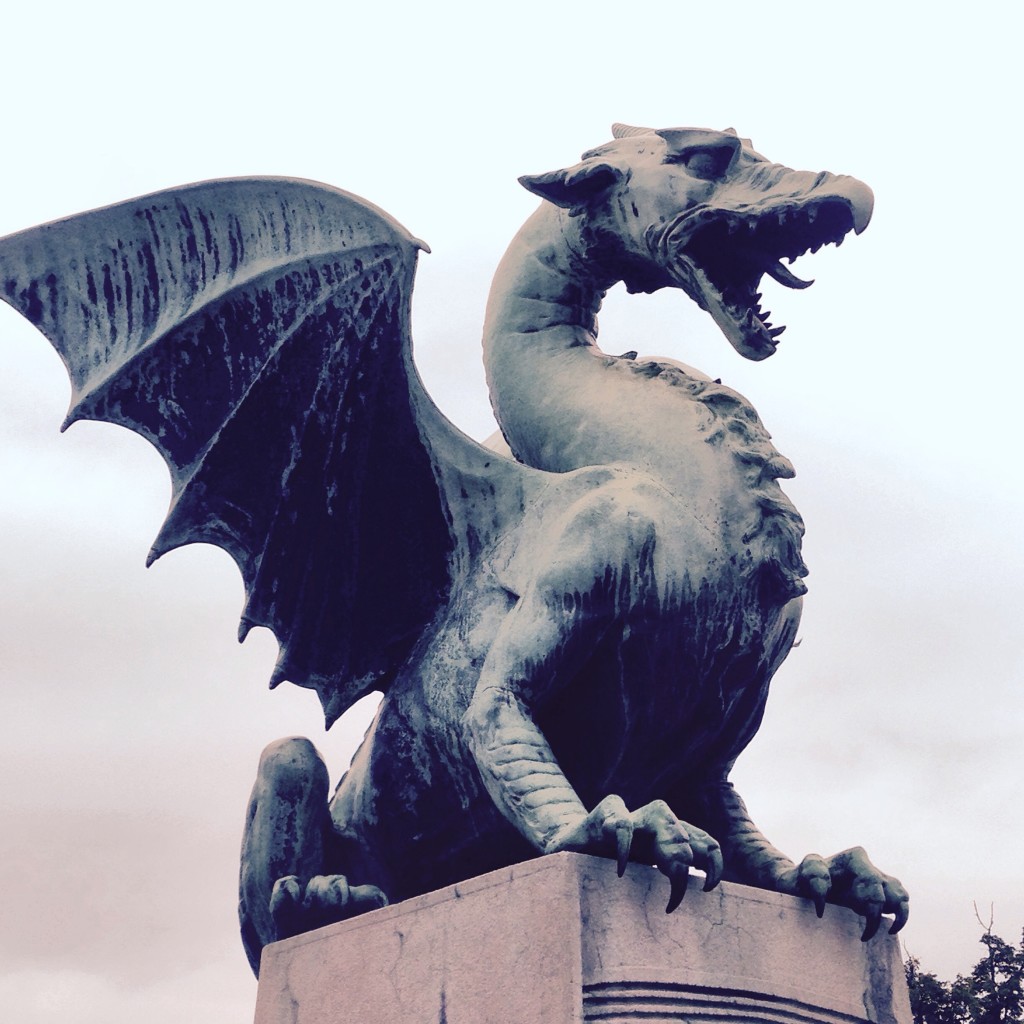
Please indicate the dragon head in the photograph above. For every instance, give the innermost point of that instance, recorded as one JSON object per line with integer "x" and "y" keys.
{"x": 701, "y": 210}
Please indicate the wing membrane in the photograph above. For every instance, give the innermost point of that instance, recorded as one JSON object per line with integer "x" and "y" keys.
{"x": 256, "y": 331}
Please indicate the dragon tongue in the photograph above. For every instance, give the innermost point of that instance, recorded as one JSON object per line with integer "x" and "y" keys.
{"x": 785, "y": 276}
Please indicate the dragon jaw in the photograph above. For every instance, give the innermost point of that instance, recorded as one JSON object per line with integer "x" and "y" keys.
{"x": 719, "y": 256}
{"x": 702, "y": 211}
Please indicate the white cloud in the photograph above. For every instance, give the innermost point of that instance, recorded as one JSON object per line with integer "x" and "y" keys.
{"x": 46, "y": 996}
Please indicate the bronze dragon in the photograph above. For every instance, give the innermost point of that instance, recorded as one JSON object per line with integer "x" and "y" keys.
{"x": 575, "y": 634}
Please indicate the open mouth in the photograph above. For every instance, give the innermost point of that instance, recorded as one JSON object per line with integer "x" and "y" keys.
{"x": 720, "y": 256}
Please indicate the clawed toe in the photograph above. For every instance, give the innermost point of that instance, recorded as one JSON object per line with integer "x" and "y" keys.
{"x": 679, "y": 878}
{"x": 849, "y": 879}
{"x": 902, "y": 913}
{"x": 286, "y": 907}
{"x": 814, "y": 881}
{"x": 650, "y": 835}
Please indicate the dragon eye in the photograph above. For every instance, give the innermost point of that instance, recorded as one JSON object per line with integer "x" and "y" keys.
{"x": 709, "y": 161}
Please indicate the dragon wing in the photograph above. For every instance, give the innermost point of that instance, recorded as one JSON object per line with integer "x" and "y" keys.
{"x": 256, "y": 332}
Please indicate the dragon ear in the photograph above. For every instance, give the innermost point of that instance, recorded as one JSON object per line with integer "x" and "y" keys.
{"x": 629, "y": 131}
{"x": 574, "y": 186}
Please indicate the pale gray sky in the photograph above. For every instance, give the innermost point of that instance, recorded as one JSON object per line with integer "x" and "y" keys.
{"x": 131, "y": 722}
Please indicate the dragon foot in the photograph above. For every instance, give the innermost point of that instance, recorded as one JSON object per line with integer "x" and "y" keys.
{"x": 849, "y": 879}
{"x": 650, "y": 835}
{"x": 324, "y": 899}
{"x": 287, "y": 849}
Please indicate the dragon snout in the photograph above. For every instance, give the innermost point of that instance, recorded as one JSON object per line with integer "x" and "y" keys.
{"x": 861, "y": 199}
{"x": 719, "y": 251}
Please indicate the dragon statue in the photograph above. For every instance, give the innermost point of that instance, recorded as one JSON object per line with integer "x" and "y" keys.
{"x": 575, "y": 628}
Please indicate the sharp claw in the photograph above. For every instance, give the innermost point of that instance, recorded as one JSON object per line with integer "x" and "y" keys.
{"x": 819, "y": 890}
{"x": 902, "y": 913}
{"x": 679, "y": 877}
{"x": 714, "y": 869}
{"x": 873, "y": 918}
{"x": 623, "y": 842}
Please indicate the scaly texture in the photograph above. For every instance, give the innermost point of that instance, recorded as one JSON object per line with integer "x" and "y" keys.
{"x": 575, "y": 645}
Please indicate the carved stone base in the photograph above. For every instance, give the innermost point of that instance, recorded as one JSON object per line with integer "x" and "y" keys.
{"x": 562, "y": 940}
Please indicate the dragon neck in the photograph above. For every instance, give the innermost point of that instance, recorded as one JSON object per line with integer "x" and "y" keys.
{"x": 560, "y": 401}
{"x": 563, "y": 404}
{"x": 545, "y": 373}
{"x": 539, "y": 334}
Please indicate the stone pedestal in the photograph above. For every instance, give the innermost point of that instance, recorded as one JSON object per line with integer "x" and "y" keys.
{"x": 562, "y": 940}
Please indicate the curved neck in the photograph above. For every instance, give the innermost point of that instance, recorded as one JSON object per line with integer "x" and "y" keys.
{"x": 563, "y": 404}
{"x": 540, "y": 337}
{"x": 543, "y": 283}
{"x": 543, "y": 288}
{"x": 560, "y": 401}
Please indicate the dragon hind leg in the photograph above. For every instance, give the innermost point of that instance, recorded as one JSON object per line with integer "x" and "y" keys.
{"x": 283, "y": 885}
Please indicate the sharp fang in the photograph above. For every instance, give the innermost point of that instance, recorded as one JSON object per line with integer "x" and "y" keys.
{"x": 776, "y": 331}
{"x": 786, "y": 276}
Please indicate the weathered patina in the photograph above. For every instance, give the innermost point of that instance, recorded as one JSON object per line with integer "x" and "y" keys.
{"x": 575, "y": 628}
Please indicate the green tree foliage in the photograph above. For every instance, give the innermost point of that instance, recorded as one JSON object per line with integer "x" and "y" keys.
{"x": 993, "y": 993}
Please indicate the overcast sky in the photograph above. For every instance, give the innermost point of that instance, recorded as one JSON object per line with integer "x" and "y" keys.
{"x": 131, "y": 722}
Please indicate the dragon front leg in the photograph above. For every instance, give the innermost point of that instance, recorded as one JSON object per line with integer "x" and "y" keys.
{"x": 541, "y": 646}
{"x": 526, "y": 783}
{"x": 846, "y": 879}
